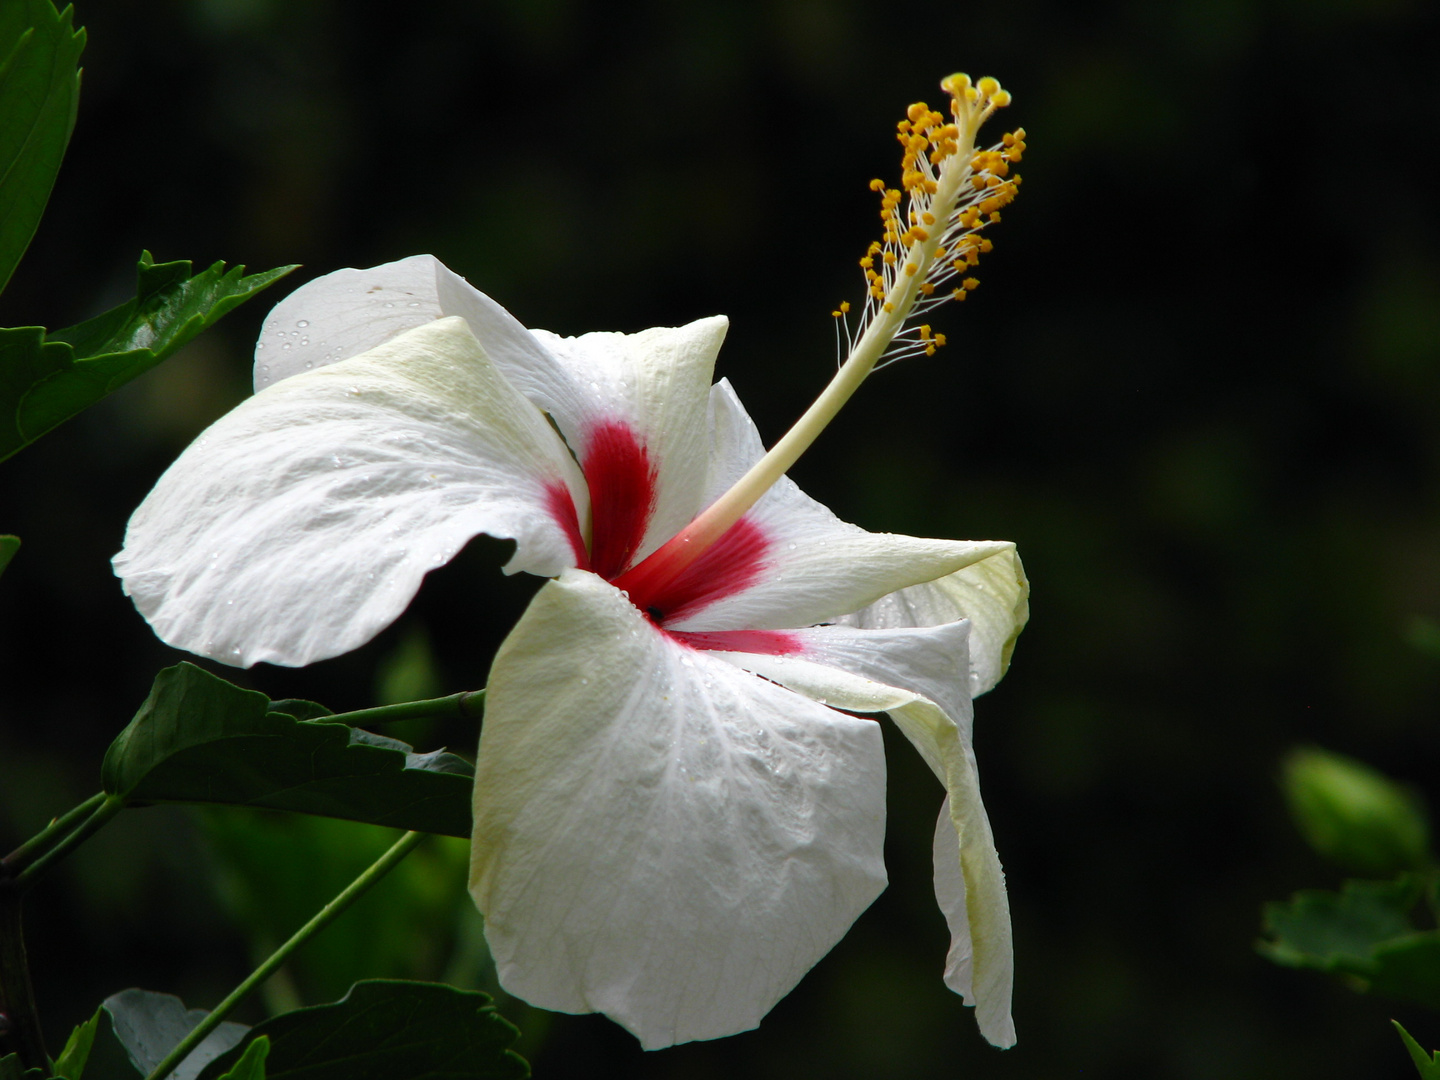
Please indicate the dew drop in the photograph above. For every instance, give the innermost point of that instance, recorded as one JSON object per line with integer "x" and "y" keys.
{"x": 259, "y": 345}
{"x": 303, "y": 322}
{"x": 286, "y": 345}
{"x": 308, "y": 365}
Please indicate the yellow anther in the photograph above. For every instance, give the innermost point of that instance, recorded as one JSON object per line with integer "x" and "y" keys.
{"x": 986, "y": 245}
{"x": 916, "y": 111}
{"x": 889, "y": 258}
{"x": 889, "y": 307}
{"x": 844, "y": 306}
{"x": 970, "y": 284}
{"x": 988, "y": 86}
{"x": 924, "y": 333}
{"x": 928, "y": 218}
{"x": 911, "y": 269}
{"x": 926, "y": 289}
{"x": 959, "y": 294}
{"x": 879, "y": 185}
{"x": 939, "y": 339}
{"x": 919, "y": 234}
{"x": 867, "y": 262}
{"x": 930, "y": 350}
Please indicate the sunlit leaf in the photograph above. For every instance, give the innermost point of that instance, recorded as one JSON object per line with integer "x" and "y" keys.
{"x": 384, "y": 1030}
{"x": 1428, "y": 1064}
{"x": 39, "y": 90}
{"x": 200, "y": 739}
{"x": 48, "y": 378}
{"x": 71, "y": 1063}
{"x": 251, "y": 1065}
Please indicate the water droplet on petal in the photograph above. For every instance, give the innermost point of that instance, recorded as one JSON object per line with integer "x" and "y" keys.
{"x": 303, "y": 322}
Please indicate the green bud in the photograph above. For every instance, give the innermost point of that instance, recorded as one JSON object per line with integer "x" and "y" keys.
{"x": 1354, "y": 815}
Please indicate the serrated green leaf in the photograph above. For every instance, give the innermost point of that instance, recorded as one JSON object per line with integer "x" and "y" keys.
{"x": 251, "y": 1065}
{"x": 39, "y": 92}
{"x": 8, "y": 546}
{"x": 11, "y": 1069}
{"x": 46, "y": 379}
{"x": 70, "y": 1065}
{"x": 1328, "y": 931}
{"x": 1428, "y": 1065}
{"x": 389, "y": 1030}
{"x": 149, "y": 1025}
{"x": 200, "y": 739}
{"x": 1363, "y": 932}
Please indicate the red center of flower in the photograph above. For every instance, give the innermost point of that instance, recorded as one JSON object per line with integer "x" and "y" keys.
{"x": 622, "y": 483}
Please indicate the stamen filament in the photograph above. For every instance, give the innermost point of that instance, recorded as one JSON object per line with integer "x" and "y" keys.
{"x": 887, "y": 309}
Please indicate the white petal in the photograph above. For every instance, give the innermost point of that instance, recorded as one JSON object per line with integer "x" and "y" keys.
{"x": 915, "y": 675}
{"x": 347, "y": 312}
{"x": 992, "y": 593}
{"x": 301, "y": 524}
{"x": 659, "y": 836}
{"x": 816, "y": 567}
{"x": 657, "y": 383}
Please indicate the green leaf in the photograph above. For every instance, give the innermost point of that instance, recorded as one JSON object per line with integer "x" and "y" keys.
{"x": 46, "y": 379}
{"x": 389, "y": 1030}
{"x": 142, "y": 1027}
{"x": 8, "y": 546}
{"x": 39, "y": 91}
{"x": 1428, "y": 1065}
{"x": 1364, "y": 933}
{"x": 71, "y": 1063}
{"x": 11, "y": 1069}
{"x": 1320, "y": 929}
{"x": 251, "y": 1065}
{"x": 200, "y": 739}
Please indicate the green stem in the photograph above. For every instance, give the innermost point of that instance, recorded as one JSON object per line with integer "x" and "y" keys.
{"x": 323, "y": 918}
{"x": 21, "y": 1021}
{"x": 108, "y": 807}
{"x": 466, "y": 704}
{"x": 47, "y": 837}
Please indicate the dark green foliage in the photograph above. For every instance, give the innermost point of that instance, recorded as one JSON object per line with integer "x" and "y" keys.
{"x": 11, "y": 1069}
{"x": 8, "y": 546}
{"x": 200, "y": 739}
{"x": 46, "y": 379}
{"x": 1366, "y": 932}
{"x": 389, "y": 1030}
{"x": 39, "y": 91}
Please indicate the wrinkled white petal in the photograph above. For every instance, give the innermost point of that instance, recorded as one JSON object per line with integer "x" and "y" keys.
{"x": 657, "y": 383}
{"x": 347, "y": 312}
{"x": 301, "y": 523}
{"x": 914, "y": 674}
{"x": 816, "y": 567}
{"x": 950, "y": 895}
{"x": 992, "y": 593}
{"x": 658, "y": 835}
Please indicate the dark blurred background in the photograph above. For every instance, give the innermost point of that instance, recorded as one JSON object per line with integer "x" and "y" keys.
{"x": 1199, "y": 387}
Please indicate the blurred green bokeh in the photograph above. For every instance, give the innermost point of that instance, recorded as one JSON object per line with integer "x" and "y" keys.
{"x": 1355, "y": 816}
{"x": 1200, "y": 387}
